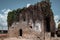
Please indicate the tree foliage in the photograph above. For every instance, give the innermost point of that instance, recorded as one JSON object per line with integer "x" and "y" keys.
{"x": 13, "y": 16}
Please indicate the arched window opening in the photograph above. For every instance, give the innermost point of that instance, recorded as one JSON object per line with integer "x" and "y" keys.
{"x": 30, "y": 26}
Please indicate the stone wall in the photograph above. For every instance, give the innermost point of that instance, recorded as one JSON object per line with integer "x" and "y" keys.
{"x": 29, "y": 16}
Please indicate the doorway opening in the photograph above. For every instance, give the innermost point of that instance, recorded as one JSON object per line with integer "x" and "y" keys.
{"x": 52, "y": 34}
{"x": 20, "y": 32}
{"x": 47, "y": 24}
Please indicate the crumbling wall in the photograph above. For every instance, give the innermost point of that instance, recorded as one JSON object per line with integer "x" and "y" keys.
{"x": 40, "y": 12}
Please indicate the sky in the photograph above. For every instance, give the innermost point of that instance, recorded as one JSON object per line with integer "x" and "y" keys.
{"x": 9, "y": 5}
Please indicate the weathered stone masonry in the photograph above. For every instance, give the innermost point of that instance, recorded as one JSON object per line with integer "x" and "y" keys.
{"x": 36, "y": 18}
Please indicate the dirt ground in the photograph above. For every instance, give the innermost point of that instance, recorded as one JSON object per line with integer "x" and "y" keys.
{"x": 32, "y": 37}
{"x": 20, "y": 38}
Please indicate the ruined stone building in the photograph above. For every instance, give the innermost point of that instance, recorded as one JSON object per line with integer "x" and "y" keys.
{"x": 34, "y": 20}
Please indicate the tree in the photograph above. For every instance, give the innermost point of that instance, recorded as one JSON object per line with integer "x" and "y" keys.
{"x": 13, "y": 16}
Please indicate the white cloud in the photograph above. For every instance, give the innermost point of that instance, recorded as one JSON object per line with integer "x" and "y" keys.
{"x": 28, "y": 5}
{"x": 6, "y": 11}
{"x": 56, "y": 18}
{"x": 3, "y": 17}
{"x": 3, "y": 10}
